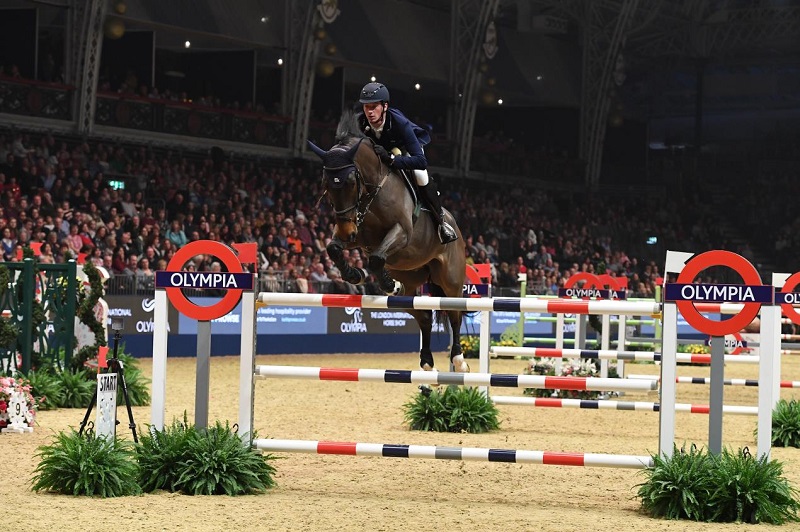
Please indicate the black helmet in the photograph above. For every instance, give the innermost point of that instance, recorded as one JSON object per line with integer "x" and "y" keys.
{"x": 374, "y": 92}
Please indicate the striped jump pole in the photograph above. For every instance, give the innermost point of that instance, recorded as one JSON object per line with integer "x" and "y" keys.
{"x": 572, "y": 320}
{"x": 707, "y": 380}
{"x": 642, "y": 406}
{"x": 467, "y": 304}
{"x": 452, "y": 378}
{"x": 600, "y": 354}
{"x": 471, "y": 454}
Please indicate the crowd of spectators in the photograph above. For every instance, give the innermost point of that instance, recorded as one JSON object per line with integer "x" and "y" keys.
{"x": 60, "y": 193}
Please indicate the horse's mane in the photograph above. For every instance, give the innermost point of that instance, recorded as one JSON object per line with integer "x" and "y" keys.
{"x": 348, "y": 127}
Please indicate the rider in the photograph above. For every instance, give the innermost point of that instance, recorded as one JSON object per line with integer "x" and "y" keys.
{"x": 390, "y": 130}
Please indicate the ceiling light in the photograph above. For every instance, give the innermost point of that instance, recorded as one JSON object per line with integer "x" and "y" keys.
{"x": 417, "y": 86}
{"x": 280, "y": 60}
{"x": 187, "y": 44}
{"x": 499, "y": 101}
{"x": 372, "y": 78}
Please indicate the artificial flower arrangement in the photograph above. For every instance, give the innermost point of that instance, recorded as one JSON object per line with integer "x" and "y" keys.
{"x": 569, "y": 368}
{"x": 471, "y": 344}
{"x": 17, "y": 405}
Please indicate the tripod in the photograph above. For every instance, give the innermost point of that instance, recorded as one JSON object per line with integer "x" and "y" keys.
{"x": 114, "y": 365}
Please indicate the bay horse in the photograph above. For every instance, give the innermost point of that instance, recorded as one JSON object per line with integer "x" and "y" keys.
{"x": 377, "y": 211}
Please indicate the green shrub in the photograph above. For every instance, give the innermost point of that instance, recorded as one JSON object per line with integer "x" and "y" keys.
{"x": 181, "y": 458}
{"x": 86, "y": 465}
{"x": 677, "y": 487}
{"x": 46, "y": 389}
{"x": 786, "y": 424}
{"x": 138, "y": 385}
{"x": 159, "y": 454}
{"x": 77, "y": 389}
{"x": 218, "y": 462}
{"x": 455, "y": 409}
{"x": 729, "y": 487}
{"x": 750, "y": 490}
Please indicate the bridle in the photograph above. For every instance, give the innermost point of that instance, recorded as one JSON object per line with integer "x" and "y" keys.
{"x": 366, "y": 192}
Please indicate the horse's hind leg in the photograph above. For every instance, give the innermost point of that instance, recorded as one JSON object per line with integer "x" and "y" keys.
{"x": 456, "y": 357}
{"x": 424, "y": 319}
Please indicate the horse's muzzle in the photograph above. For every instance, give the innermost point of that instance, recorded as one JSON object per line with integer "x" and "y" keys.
{"x": 346, "y": 231}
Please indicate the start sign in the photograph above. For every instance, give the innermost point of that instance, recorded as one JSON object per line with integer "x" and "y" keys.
{"x": 686, "y": 293}
{"x": 234, "y": 281}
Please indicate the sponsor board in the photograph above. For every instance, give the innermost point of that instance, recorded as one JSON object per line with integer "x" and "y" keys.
{"x": 502, "y": 320}
{"x": 269, "y": 320}
{"x": 137, "y": 314}
{"x": 353, "y": 320}
{"x": 683, "y": 325}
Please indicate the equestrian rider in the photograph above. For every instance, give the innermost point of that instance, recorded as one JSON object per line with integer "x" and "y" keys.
{"x": 391, "y": 130}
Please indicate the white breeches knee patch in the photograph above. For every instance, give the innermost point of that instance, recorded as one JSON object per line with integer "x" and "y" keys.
{"x": 421, "y": 176}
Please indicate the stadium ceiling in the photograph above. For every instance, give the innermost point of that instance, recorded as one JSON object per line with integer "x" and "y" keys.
{"x": 541, "y": 42}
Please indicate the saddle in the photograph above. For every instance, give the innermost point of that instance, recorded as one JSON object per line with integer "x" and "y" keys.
{"x": 411, "y": 186}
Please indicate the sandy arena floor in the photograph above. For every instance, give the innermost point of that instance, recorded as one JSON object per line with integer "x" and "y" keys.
{"x": 333, "y": 493}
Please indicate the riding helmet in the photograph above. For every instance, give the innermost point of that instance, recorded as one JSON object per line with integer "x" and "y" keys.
{"x": 374, "y": 92}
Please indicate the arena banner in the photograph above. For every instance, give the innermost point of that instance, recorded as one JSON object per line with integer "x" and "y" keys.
{"x": 270, "y": 320}
{"x": 501, "y": 321}
{"x": 353, "y": 320}
{"x": 136, "y": 313}
{"x": 683, "y": 327}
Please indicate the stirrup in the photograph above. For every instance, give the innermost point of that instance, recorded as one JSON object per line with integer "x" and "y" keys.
{"x": 446, "y": 233}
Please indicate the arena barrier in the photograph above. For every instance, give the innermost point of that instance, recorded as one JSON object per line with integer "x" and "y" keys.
{"x": 443, "y": 378}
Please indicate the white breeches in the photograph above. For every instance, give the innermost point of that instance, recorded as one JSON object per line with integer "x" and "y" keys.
{"x": 420, "y": 176}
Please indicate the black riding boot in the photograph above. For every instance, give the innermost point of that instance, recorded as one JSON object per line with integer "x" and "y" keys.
{"x": 431, "y": 194}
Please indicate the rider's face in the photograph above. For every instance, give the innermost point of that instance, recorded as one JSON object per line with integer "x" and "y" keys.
{"x": 374, "y": 113}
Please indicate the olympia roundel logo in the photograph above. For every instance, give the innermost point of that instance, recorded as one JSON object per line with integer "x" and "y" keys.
{"x": 233, "y": 281}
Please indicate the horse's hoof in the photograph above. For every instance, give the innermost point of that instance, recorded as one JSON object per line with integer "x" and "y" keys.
{"x": 460, "y": 365}
{"x": 428, "y": 367}
{"x": 398, "y": 289}
{"x": 425, "y": 390}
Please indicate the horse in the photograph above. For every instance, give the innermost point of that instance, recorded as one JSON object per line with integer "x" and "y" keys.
{"x": 376, "y": 210}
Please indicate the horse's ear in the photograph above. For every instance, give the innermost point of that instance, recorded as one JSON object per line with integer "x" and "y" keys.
{"x": 316, "y": 149}
{"x": 351, "y": 153}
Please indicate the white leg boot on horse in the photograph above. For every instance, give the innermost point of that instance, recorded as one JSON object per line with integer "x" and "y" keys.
{"x": 459, "y": 364}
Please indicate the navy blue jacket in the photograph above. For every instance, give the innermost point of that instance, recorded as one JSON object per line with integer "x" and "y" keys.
{"x": 400, "y": 132}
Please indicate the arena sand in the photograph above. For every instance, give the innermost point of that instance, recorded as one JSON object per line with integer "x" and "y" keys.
{"x": 330, "y": 493}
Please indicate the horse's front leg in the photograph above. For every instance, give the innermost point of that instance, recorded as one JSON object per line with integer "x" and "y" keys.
{"x": 349, "y": 273}
{"x": 396, "y": 238}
